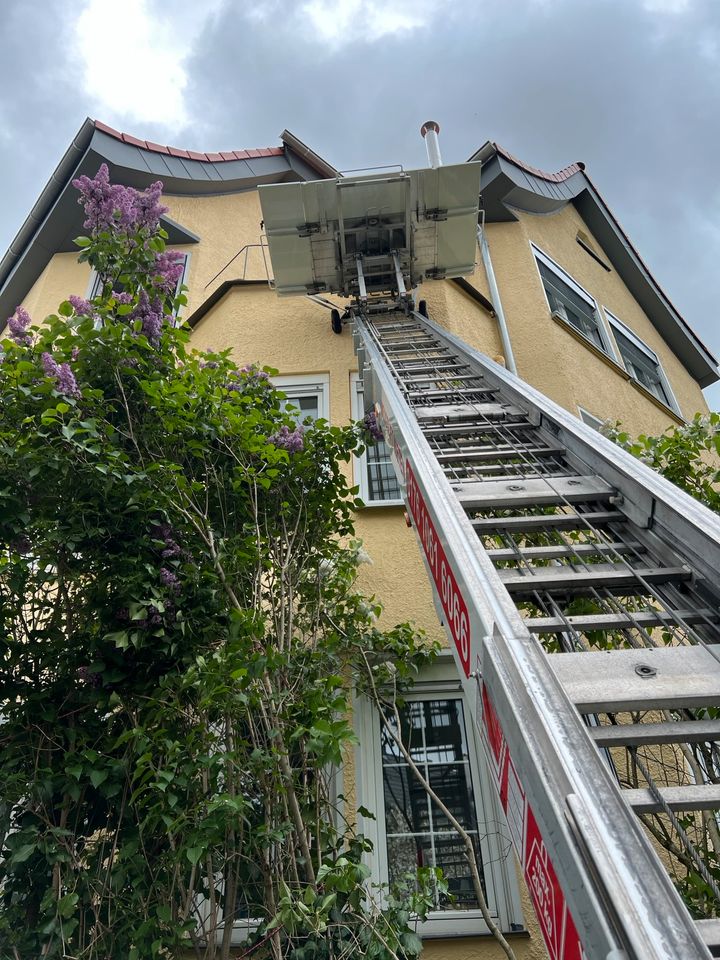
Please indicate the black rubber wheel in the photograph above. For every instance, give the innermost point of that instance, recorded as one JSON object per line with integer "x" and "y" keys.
{"x": 422, "y": 309}
{"x": 335, "y": 321}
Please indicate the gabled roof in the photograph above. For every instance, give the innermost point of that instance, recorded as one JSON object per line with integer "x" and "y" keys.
{"x": 507, "y": 184}
{"x": 56, "y": 219}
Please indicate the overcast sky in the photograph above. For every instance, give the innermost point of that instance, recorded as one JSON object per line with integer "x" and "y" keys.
{"x": 632, "y": 87}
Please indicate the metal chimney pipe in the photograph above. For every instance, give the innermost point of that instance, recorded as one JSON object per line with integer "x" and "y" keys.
{"x": 430, "y": 131}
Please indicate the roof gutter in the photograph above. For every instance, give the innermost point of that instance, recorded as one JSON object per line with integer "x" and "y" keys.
{"x": 308, "y": 155}
{"x": 46, "y": 200}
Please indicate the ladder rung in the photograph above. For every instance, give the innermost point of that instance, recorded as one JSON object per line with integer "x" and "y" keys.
{"x": 532, "y": 491}
{"x": 563, "y": 578}
{"x": 568, "y": 550}
{"x": 455, "y": 413}
{"x": 554, "y": 521}
{"x": 610, "y": 681}
{"x": 431, "y": 376}
{"x": 495, "y": 453}
{"x": 673, "y": 731}
{"x": 435, "y": 367}
{"x": 618, "y": 621}
{"x": 471, "y": 430}
{"x": 705, "y": 796}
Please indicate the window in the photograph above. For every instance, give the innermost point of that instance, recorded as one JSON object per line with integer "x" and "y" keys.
{"x": 591, "y": 420}
{"x": 568, "y": 301}
{"x": 374, "y": 472}
{"x": 307, "y": 394}
{"x": 642, "y": 363}
{"x": 410, "y": 831}
{"x": 95, "y": 287}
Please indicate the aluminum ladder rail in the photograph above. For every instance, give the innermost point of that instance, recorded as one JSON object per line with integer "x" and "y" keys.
{"x": 483, "y": 458}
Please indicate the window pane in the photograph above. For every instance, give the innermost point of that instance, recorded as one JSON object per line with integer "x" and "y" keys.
{"x": 406, "y": 803}
{"x": 418, "y": 833}
{"x": 406, "y": 854}
{"x": 452, "y": 785}
{"x": 578, "y": 311}
{"x": 382, "y": 482}
{"x": 308, "y": 405}
{"x": 641, "y": 366}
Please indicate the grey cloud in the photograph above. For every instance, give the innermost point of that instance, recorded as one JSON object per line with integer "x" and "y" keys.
{"x": 634, "y": 94}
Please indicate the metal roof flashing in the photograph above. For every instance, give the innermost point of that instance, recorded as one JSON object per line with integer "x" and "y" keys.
{"x": 508, "y": 184}
{"x": 56, "y": 218}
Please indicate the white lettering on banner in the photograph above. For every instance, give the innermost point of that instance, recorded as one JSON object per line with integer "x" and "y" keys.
{"x": 557, "y": 925}
{"x": 451, "y": 599}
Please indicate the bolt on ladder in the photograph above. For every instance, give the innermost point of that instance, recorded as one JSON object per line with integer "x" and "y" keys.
{"x": 580, "y": 591}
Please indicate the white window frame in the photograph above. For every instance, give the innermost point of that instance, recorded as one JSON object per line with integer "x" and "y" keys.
{"x": 441, "y": 681}
{"x": 591, "y": 420}
{"x": 616, "y": 324}
{"x": 93, "y": 289}
{"x": 307, "y": 385}
{"x": 609, "y": 348}
{"x": 360, "y": 465}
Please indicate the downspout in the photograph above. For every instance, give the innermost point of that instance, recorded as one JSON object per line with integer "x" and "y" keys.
{"x": 495, "y": 297}
{"x": 429, "y": 131}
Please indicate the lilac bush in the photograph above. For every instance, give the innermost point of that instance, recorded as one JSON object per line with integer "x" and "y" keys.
{"x": 291, "y": 440}
{"x": 65, "y": 382}
{"x": 110, "y": 207}
{"x": 18, "y": 324}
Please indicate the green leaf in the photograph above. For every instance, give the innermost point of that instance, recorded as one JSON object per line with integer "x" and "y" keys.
{"x": 82, "y": 242}
{"x": 66, "y": 905}
{"x": 97, "y": 777}
{"x": 23, "y": 853}
{"x": 65, "y": 309}
{"x": 193, "y": 854}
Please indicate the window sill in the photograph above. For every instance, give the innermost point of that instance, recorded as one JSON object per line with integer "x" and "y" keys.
{"x": 381, "y": 503}
{"x": 678, "y": 418}
{"x": 453, "y": 927}
{"x": 581, "y": 338}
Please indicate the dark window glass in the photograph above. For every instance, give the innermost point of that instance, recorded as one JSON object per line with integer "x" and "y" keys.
{"x": 578, "y": 312}
{"x": 641, "y": 366}
{"x": 418, "y": 833}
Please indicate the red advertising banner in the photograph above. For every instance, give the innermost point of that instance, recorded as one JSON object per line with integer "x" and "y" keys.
{"x": 451, "y": 599}
{"x": 558, "y": 928}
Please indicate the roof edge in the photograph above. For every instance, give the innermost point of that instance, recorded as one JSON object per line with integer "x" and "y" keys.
{"x": 490, "y": 147}
{"x": 44, "y": 203}
{"x": 309, "y": 156}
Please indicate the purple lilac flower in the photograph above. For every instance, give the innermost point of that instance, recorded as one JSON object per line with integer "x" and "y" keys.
{"x": 65, "y": 382}
{"x": 75, "y": 353}
{"x": 108, "y": 206}
{"x": 370, "y": 422}
{"x": 81, "y": 306}
{"x": 151, "y": 314}
{"x": 168, "y": 579}
{"x": 209, "y": 364}
{"x": 254, "y": 373}
{"x": 287, "y": 439}
{"x": 18, "y": 324}
{"x": 169, "y": 267}
{"x": 122, "y": 297}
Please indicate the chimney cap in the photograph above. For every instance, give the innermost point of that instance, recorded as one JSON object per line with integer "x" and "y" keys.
{"x": 429, "y": 125}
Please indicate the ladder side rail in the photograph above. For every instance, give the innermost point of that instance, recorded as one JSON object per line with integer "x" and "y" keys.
{"x": 546, "y": 741}
{"x": 648, "y": 498}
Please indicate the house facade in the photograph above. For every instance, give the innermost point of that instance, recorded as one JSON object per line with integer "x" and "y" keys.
{"x": 560, "y": 295}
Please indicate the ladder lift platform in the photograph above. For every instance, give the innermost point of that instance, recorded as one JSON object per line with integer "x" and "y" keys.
{"x": 579, "y": 589}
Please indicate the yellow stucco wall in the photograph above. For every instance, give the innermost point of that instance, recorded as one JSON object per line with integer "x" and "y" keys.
{"x": 293, "y": 335}
{"x": 548, "y": 355}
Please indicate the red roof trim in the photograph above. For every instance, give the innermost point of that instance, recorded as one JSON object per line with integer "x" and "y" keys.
{"x": 558, "y": 177}
{"x": 188, "y": 154}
